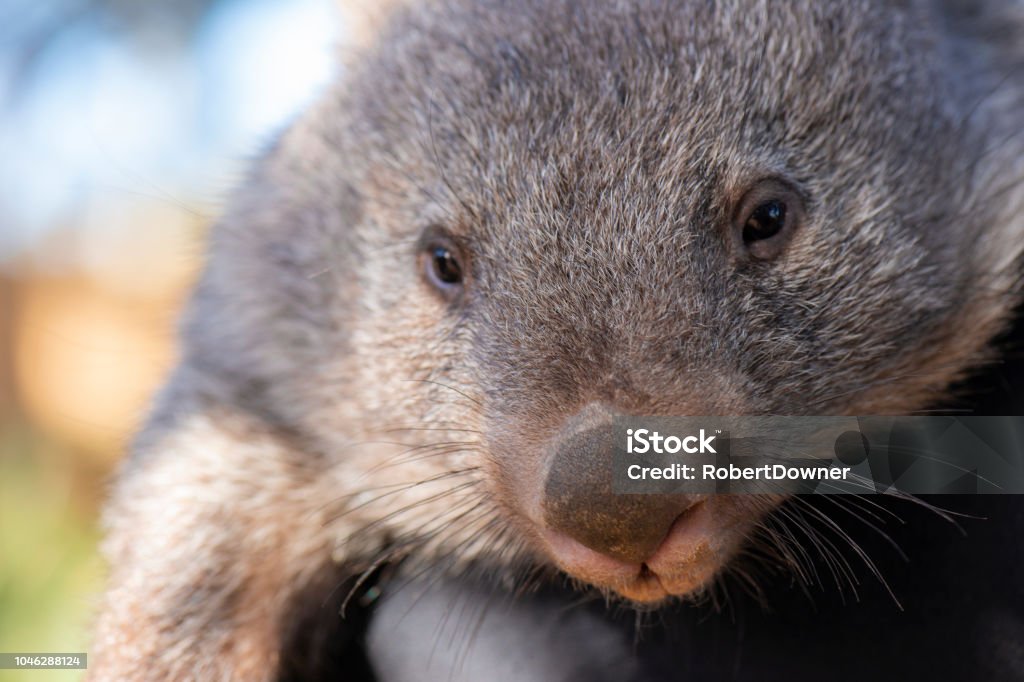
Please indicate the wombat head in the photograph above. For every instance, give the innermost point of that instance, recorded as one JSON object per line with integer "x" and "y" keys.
{"x": 509, "y": 221}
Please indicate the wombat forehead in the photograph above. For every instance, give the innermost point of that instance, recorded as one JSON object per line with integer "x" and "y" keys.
{"x": 512, "y": 107}
{"x": 545, "y": 61}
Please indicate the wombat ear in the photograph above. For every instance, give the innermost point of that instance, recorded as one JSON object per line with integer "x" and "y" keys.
{"x": 362, "y": 20}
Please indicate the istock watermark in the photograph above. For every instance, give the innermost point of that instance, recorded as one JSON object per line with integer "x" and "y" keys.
{"x": 642, "y": 441}
{"x": 829, "y": 455}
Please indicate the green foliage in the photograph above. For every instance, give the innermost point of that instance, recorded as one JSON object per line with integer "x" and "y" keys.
{"x": 50, "y": 573}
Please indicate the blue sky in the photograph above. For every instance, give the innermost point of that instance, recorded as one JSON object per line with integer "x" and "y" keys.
{"x": 107, "y": 116}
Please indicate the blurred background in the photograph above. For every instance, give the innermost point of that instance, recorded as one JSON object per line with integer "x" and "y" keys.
{"x": 123, "y": 125}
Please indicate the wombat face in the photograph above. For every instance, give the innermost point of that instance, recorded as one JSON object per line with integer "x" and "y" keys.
{"x": 510, "y": 222}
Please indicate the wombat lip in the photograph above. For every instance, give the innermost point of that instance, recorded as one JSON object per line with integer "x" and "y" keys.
{"x": 681, "y": 564}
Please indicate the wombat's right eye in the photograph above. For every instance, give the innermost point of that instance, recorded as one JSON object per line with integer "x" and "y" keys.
{"x": 443, "y": 266}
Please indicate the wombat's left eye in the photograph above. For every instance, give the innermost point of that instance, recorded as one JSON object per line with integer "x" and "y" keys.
{"x": 766, "y": 219}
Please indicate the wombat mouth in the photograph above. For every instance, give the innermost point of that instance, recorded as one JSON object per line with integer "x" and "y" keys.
{"x": 683, "y": 562}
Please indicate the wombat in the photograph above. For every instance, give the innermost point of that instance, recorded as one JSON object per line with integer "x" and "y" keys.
{"x": 508, "y": 222}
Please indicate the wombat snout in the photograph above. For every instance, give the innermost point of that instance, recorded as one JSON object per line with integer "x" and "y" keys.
{"x": 579, "y": 501}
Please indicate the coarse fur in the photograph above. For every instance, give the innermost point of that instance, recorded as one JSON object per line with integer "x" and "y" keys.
{"x": 332, "y": 414}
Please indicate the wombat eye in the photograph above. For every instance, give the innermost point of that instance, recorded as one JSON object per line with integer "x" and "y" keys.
{"x": 765, "y": 219}
{"x": 443, "y": 265}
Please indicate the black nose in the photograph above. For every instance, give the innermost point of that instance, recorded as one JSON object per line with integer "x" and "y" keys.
{"x": 578, "y": 497}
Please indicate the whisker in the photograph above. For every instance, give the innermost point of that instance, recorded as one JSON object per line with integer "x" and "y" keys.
{"x": 451, "y": 388}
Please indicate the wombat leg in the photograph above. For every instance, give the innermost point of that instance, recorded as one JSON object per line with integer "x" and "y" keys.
{"x": 213, "y": 530}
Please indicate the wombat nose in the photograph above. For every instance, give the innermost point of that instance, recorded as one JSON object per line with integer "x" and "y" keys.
{"x": 579, "y": 501}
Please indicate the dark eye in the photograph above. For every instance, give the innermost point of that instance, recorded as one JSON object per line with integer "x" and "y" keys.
{"x": 443, "y": 265}
{"x": 766, "y": 218}
{"x": 765, "y": 221}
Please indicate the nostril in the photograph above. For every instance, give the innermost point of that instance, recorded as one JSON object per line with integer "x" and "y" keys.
{"x": 578, "y": 497}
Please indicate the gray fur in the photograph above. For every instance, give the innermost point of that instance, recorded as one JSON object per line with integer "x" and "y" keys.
{"x": 589, "y": 156}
